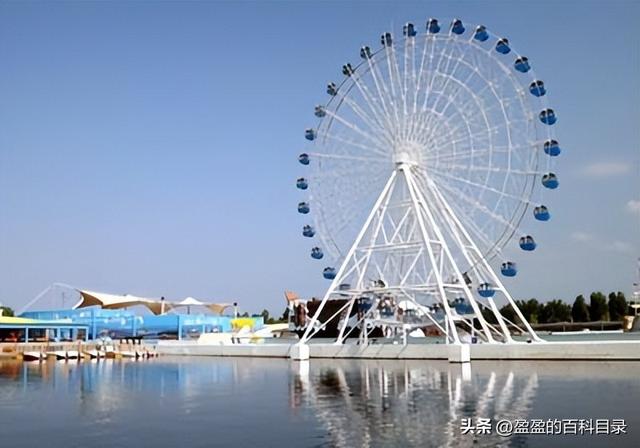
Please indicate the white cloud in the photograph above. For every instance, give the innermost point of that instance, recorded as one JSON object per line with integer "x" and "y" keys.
{"x": 596, "y": 243}
{"x": 581, "y": 236}
{"x": 606, "y": 169}
{"x": 633, "y": 206}
{"x": 618, "y": 246}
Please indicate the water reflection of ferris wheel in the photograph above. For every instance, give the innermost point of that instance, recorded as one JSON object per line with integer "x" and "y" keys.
{"x": 405, "y": 403}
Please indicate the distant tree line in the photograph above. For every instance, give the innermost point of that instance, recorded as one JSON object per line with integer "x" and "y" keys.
{"x": 610, "y": 308}
{"x": 267, "y": 318}
{"x": 553, "y": 311}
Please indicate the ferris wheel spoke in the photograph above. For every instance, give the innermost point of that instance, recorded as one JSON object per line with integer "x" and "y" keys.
{"x": 449, "y": 75}
{"x": 469, "y": 224}
{"x": 398, "y": 77}
{"x": 469, "y": 136}
{"x": 341, "y": 180}
{"x": 334, "y": 174}
{"x": 381, "y": 115}
{"x": 375, "y": 149}
{"x": 330, "y": 156}
{"x": 510, "y": 75}
{"x": 420, "y": 72}
{"x": 405, "y": 73}
{"x": 463, "y": 87}
{"x": 409, "y": 80}
{"x": 435, "y": 71}
{"x": 476, "y": 205}
{"x": 489, "y": 85}
{"x": 392, "y": 84}
{"x": 383, "y": 92}
{"x": 465, "y": 118}
{"x": 340, "y": 225}
{"x": 469, "y": 154}
{"x": 477, "y": 185}
{"x": 479, "y": 236}
{"x": 432, "y": 39}
{"x": 372, "y": 122}
{"x": 492, "y": 169}
{"x": 414, "y": 77}
{"x": 369, "y": 136}
{"x": 500, "y": 101}
{"x": 479, "y": 106}
{"x": 437, "y": 146}
{"x": 357, "y": 192}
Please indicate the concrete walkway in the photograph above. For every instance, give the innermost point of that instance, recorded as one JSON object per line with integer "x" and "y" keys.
{"x": 591, "y": 350}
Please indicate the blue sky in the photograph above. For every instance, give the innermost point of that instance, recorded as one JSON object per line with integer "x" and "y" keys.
{"x": 150, "y": 147}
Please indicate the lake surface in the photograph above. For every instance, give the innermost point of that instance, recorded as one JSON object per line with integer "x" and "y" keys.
{"x": 238, "y": 402}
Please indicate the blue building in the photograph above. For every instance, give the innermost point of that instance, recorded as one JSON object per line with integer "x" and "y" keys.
{"x": 126, "y": 324}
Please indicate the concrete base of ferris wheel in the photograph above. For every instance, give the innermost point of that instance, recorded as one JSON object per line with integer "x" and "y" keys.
{"x": 561, "y": 351}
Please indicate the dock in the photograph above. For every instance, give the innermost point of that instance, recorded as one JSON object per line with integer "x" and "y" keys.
{"x": 560, "y": 351}
{"x": 40, "y": 351}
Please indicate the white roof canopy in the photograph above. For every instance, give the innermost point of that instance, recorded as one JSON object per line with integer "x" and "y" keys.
{"x": 190, "y": 301}
{"x": 156, "y": 306}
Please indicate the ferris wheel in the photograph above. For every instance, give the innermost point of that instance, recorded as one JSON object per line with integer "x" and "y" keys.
{"x": 428, "y": 163}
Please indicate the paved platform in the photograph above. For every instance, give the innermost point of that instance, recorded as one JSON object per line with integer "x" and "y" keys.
{"x": 565, "y": 351}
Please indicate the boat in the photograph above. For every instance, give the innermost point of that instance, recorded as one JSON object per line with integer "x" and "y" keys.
{"x": 109, "y": 352}
{"x": 143, "y": 354}
{"x": 93, "y": 354}
{"x": 57, "y": 354}
{"x": 32, "y": 356}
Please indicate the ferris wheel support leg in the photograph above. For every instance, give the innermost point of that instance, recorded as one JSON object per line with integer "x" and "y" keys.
{"x": 452, "y": 223}
{"x": 453, "y": 333}
{"x": 359, "y": 285}
{"x": 503, "y": 326}
{"x": 345, "y": 321}
{"x": 456, "y": 227}
{"x": 458, "y": 273}
{"x": 336, "y": 281}
{"x": 531, "y": 331}
{"x": 489, "y": 270}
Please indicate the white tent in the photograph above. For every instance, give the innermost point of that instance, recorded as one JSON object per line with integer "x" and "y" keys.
{"x": 189, "y": 301}
{"x": 217, "y": 308}
{"x": 113, "y": 302}
{"x": 156, "y": 306}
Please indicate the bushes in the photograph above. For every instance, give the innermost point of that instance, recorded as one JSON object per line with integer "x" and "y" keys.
{"x": 559, "y": 311}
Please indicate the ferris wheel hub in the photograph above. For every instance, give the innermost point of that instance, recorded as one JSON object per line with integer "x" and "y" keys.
{"x": 407, "y": 153}
{"x": 403, "y": 158}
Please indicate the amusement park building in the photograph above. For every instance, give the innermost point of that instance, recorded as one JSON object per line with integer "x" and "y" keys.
{"x": 124, "y": 324}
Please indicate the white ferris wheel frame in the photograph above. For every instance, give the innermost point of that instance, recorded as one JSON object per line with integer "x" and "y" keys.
{"x": 439, "y": 230}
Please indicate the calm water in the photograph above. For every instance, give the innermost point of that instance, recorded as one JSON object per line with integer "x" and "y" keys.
{"x": 205, "y": 402}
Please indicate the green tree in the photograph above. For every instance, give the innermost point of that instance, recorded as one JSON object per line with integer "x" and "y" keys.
{"x": 580, "y": 310}
{"x": 598, "y": 306}
{"x": 489, "y": 316}
{"x": 617, "y": 306}
{"x": 555, "y": 311}
{"x": 6, "y": 311}
{"x": 508, "y": 313}
{"x": 530, "y": 310}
